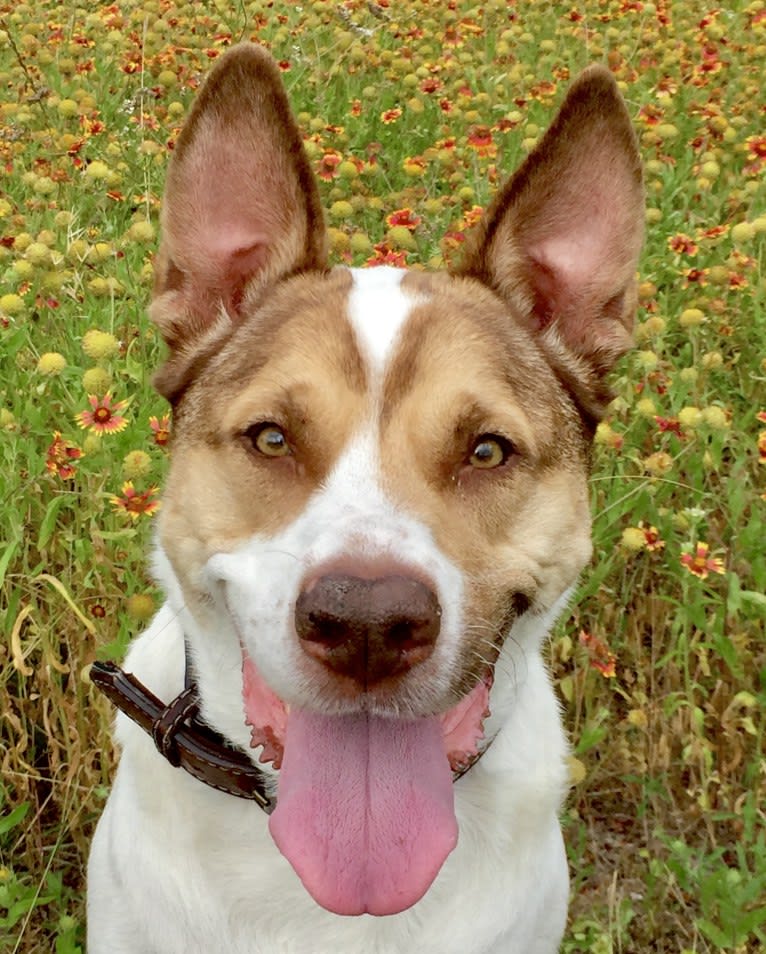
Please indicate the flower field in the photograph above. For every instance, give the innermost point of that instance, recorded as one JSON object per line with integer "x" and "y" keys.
{"x": 413, "y": 112}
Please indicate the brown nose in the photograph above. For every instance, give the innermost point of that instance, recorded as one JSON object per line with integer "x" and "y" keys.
{"x": 368, "y": 629}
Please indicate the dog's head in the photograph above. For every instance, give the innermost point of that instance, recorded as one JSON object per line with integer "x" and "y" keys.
{"x": 378, "y": 487}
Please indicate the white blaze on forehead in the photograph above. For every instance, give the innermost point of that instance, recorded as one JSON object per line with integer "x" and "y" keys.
{"x": 378, "y": 308}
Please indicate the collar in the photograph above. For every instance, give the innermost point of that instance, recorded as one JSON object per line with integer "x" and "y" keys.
{"x": 182, "y": 738}
{"x": 187, "y": 742}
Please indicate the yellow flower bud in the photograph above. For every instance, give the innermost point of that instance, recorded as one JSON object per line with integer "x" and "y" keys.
{"x": 136, "y": 464}
{"x": 141, "y": 231}
{"x": 99, "y": 344}
{"x": 97, "y": 170}
{"x": 68, "y": 107}
{"x": 715, "y": 417}
{"x": 341, "y": 210}
{"x": 633, "y": 538}
{"x": 11, "y": 304}
{"x": 666, "y": 131}
{"x": 646, "y": 360}
{"x": 689, "y": 417}
{"x": 38, "y": 254}
{"x": 51, "y": 363}
{"x": 140, "y": 606}
{"x": 691, "y": 317}
{"x": 401, "y": 237}
{"x": 360, "y": 243}
{"x": 742, "y": 232}
{"x": 688, "y": 375}
{"x": 339, "y": 241}
{"x": 96, "y": 381}
{"x": 658, "y": 463}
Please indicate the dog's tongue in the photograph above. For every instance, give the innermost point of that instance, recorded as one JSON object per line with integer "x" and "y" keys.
{"x": 365, "y": 809}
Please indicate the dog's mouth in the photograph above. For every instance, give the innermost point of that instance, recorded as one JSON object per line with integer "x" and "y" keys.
{"x": 365, "y": 809}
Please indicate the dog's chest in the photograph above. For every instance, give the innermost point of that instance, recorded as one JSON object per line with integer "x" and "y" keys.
{"x": 212, "y": 879}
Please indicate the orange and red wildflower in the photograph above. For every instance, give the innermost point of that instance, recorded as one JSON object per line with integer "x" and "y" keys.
{"x": 652, "y": 540}
{"x": 403, "y": 217}
{"x": 104, "y": 416}
{"x": 414, "y": 165}
{"x": 136, "y": 504}
{"x": 600, "y": 655}
{"x": 61, "y": 456}
{"x": 327, "y": 168}
{"x": 385, "y": 255}
{"x": 683, "y": 244}
{"x": 700, "y": 563}
{"x": 160, "y": 429}
{"x": 479, "y": 138}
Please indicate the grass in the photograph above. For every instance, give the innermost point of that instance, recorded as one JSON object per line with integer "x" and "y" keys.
{"x": 422, "y": 106}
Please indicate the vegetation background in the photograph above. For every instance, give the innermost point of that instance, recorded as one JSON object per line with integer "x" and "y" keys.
{"x": 413, "y": 112}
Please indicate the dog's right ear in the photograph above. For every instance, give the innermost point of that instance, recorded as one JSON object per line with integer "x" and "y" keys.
{"x": 241, "y": 206}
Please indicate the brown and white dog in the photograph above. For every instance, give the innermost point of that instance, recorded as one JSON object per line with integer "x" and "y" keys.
{"x": 377, "y": 506}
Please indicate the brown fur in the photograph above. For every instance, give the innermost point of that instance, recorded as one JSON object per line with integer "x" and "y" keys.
{"x": 462, "y": 370}
{"x": 377, "y": 487}
{"x": 296, "y": 366}
{"x": 516, "y": 343}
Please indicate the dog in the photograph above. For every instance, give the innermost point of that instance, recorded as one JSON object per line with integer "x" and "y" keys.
{"x": 377, "y": 506}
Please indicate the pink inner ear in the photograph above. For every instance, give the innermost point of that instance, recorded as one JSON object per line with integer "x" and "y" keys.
{"x": 562, "y": 270}
{"x": 576, "y": 254}
{"x": 241, "y": 264}
{"x": 222, "y": 269}
{"x": 234, "y": 252}
{"x": 223, "y": 222}
{"x": 247, "y": 259}
{"x": 580, "y": 263}
{"x": 228, "y": 217}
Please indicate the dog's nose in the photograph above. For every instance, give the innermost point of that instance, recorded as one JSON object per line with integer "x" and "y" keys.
{"x": 368, "y": 629}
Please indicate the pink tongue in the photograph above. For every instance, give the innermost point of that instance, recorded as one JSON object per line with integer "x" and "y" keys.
{"x": 365, "y": 809}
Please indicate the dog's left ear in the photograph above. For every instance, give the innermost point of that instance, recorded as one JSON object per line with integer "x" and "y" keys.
{"x": 560, "y": 242}
{"x": 241, "y": 207}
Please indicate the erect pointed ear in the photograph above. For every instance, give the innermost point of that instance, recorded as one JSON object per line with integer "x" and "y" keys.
{"x": 241, "y": 206}
{"x": 561, "y": 240}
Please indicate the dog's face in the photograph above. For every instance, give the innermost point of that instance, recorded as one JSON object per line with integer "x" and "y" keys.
{"x": 379, "y": 477}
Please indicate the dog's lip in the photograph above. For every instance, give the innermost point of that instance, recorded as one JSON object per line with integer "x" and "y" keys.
{"x": 266, "y": 715}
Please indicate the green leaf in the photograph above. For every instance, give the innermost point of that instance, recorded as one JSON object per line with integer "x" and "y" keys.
{"x": 13, "y": 818}
{"x": 715, "y": 934}
{"x": 752, "y": 596}
{"x": 6, "y": 558}
{"x": 48, "y": 523}
{"x": 752, "y": 920}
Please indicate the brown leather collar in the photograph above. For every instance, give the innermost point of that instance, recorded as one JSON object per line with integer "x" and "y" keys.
{"x": 185, "y": 741}
{"x": 182, "y": 738}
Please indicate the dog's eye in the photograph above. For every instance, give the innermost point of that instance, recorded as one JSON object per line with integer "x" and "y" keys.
{"x": 490, "y": 450}
{"x": 269, "y": 440}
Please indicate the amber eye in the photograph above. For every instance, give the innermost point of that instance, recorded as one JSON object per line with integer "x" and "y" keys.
{"x": 489, "y": 451}
{"x": 269, "y": 440}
